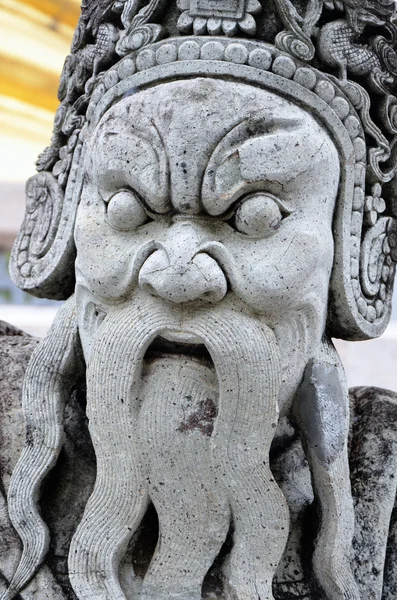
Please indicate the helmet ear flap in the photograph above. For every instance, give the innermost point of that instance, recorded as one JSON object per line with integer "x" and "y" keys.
{"x": 376, "y": 276}
{"x": 42, "y": 259}
{"x": 362, "y": 283}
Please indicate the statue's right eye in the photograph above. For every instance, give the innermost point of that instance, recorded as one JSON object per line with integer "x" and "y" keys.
{"x": 125, "y": 211}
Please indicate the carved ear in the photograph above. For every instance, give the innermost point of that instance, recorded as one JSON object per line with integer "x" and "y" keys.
{"x": 42, "y": 259}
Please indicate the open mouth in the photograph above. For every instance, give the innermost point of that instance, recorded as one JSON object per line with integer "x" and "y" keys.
{"x": 178, "y": 344}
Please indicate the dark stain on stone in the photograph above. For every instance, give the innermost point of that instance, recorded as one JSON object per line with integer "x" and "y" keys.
{"x": 320, "y": 410}
{"x": 10, "y": 330}
{"x": 29, "y": 440}
{"x": 201, "y": 419}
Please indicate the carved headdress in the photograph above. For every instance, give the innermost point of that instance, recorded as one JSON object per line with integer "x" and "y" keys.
{"x": 335, "y": 58}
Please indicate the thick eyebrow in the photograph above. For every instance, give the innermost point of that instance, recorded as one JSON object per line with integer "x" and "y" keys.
{"x": 137, "y": 158}
{"x": 227, "y": 151}
{"x": 252, "y": 126}
{"x": 271, "y": 158}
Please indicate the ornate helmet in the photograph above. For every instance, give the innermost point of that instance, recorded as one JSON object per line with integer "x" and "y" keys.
{"x": 335, "y": 58}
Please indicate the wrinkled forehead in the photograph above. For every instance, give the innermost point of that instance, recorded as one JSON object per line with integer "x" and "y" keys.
{"x": 173, "y": 132}
{"x": 203, "y": 110}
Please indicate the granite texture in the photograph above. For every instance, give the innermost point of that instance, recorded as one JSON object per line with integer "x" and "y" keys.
{"x": 217, "y": 202}
{"x": 374, "y": 414}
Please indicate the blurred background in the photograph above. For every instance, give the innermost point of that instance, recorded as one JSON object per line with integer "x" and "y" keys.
{"x": 35, "y": 36}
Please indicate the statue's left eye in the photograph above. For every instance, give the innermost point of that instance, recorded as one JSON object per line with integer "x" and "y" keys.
{"x": 258, "y": 215}
{"x": 125, "y": 211}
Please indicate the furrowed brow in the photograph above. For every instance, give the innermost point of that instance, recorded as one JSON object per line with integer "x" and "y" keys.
{"x": 223, "y": 177}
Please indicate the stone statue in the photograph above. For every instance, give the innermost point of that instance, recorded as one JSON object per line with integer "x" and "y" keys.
{"x": 217, "y": 202}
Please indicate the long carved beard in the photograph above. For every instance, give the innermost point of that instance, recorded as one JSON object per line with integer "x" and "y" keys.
{"x": 299, "y": 334}
{"x": 195, "y": 467}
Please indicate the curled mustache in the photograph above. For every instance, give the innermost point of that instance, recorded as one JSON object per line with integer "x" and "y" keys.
{"x": 247, "y": 364}
{"x": 235, "y": 456}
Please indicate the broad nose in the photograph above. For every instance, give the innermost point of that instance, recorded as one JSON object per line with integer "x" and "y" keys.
{"x": 180, "y": 272}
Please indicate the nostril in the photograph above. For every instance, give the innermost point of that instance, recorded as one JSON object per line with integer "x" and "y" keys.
{"x": 151, "y": 272}
{"x": 215, "y": 280}
{"x": 148, "y": 288}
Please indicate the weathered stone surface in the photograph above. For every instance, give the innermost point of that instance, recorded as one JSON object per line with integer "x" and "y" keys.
{"x": 15, "y": 351}
{"x": 66, "y": 490}
{"x": 15, "y": 354}
{"x": 373, "y": 473}
{"x": 217, "y": 202}
{"x": 372, "y": 460}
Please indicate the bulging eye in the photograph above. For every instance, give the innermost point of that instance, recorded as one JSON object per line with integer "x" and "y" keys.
{"x": 125, "y": 211}
{"x": 258, "y": 215}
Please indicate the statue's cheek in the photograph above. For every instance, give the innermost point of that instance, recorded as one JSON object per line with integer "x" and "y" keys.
{"x": 276, "y": 277}
{"x": 102, "y": 258}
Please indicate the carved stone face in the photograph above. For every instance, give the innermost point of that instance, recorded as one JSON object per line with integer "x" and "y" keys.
{"x": 210, "y": 191}
{"x": 234, "y": 180}
{"x": 204, "y": 233}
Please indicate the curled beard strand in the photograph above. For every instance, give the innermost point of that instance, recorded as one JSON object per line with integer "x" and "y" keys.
{"x": 179, "y": 399}
{"x": 49, "y": 380}
{"x": 119, "y": 500}
{"x": 246, "y": 359}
